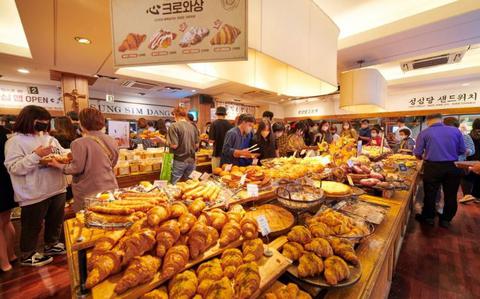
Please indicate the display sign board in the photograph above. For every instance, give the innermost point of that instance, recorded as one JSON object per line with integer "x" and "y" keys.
{"x": 18, "y": 96}
{"x": 178, "y": 31}
{"x": 120, "y": 131}
{"x": 126, "y": 108}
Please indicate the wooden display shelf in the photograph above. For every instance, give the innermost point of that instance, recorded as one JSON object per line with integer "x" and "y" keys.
{"x": 135, "y": 179}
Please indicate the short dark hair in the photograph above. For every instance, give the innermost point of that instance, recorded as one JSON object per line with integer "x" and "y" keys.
{"x": 434, "y": 116}
{"x": 451, "y": 121}
{"x": 476, "y": 124}
{"x": 405, "y": 131}
{"x": 245, "y": 117}
{"x": 278, "y": 127}
{"x": 27, "y": 117}
{"x": 365, "y": 121}
{"x": 401, "y": 120}
{"x": 375, "y": 129}
{"x": 92, "y": 119}
{"x": 73, "y": 115}
{"x": 268, "y": 114}
{"x": 191, "y": 117}
{"x": 150, "y": 123}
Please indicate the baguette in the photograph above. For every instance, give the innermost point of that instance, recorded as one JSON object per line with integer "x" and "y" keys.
{"x": 112, "y": 210}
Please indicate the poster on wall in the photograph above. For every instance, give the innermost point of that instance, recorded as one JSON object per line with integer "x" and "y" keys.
{"x": 234, "y": 110}
{"x": 178, "y": 31}
{"x": 120, "y": 131}
{"x": 18, "y": 96}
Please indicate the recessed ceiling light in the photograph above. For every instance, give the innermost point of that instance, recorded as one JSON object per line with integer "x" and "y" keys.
{"x": 83, "y": 40}
{"x": 23, "y": 71}
{"x": 465, "y": 84}
{"x": 193, "y": 90}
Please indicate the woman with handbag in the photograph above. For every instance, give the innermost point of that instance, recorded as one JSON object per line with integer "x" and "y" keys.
{"x": 94, "y": 156}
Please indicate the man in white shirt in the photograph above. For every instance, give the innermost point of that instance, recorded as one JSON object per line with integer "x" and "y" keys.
{"x": 401, "y": 125}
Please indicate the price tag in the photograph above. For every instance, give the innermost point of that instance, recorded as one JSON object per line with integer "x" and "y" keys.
{"x": 160, "y": 183}
{"x": 294, "y": 154}
{"x": 195, "y": 175}
{"x": 252, "y": 190}
{"x": 242, "y": 179}
{"x": 254, "y": 161}
{"x": 303, "y": 152}
{"x": 350, "y": 163}
{"x": 402, "y": 167}
{"x": 350, "y": 181}
{"x": 359, "y": 148}
{"x": 339, "y": 205}
{"x": 205, "y": 176}
{"x": 228, "y": 167}
{"x": 263, "y": 225}
{"x": 377, "y": 168}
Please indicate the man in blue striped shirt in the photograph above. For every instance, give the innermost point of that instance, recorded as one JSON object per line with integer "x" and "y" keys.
{"x": 440, "y": 146}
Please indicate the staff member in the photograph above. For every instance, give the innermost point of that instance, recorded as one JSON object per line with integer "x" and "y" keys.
{"x": 439, "y": 146}
{"x": 218, "y": 130}
{"x": 364, "y": 133}
{"x": 237, "y": 140}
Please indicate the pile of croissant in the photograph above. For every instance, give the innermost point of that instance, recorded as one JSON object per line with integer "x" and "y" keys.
{"x": 316, "y": 255}
{"x": 194, "y": 189}
{"x": 234, "y": 275}
{"x": 289, "y": 291}
{"x": 333, "y": 223}
{"x": 165, "y": 240}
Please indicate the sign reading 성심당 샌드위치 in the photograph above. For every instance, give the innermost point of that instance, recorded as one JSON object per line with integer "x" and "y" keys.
{"x": 178, "y": 31}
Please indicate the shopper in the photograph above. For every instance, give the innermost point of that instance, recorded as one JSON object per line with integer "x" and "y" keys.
{"x": 7, "y": 203}
{"x": 208, "y": 125}
{"x": 333, "y": 133}
{"x": 183, "y": 139}
{"x": 401, "y": 126}
{"x": 218, "y": 130}
{"x": 324, "y": 134}
{"x": 168, "y": 123}
{"x": 264, "y": 140}
{"x": 296, "y": 142}
{"x": 94, "y": 157}
{"x": 471, "y": 182}
{"x": 375, "y": 138}
{"x": 469, "y": 145}
{"x": 142, "y": 125}
{"x": 348, "y": 131}
{"x": 364, "y": 132}
{"x": 150, "y": 126}
{"x": 161, "y": 127}
{"x": 407, "y": 144}
{"x": 191, "y": 119}
{"x": 40, "y": 191}
{"x": 313, "y": 134}
{"x": 281, "y": 132}
{"x": 64, "y": 131}
{"x": 76, "y": 124}
{"x": 439, "y": 146}
{"x": 267, "y": 116}
{"x": 237, "y": 141}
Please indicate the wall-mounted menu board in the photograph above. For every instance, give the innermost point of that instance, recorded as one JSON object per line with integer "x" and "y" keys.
{"x": 178, "y": 31}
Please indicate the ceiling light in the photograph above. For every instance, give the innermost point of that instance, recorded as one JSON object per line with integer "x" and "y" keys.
{"x": 83, "y": 40}
{"x": 193, "y": 90}
{"x": 23, "y": 71}
{"x": 465, "y": 84}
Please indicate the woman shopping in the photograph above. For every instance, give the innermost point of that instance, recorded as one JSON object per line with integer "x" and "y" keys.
{"x": 264, "y": 140}
{"x": 39, "y": 190}
{"x": 94, "y": 156}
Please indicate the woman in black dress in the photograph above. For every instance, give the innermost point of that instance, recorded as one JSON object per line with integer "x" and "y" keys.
{"x": 7, "y": 203}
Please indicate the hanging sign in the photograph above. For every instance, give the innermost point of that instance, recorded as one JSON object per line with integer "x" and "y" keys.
{"x": 18, "y": 96}
{"x": 178, "y": 31}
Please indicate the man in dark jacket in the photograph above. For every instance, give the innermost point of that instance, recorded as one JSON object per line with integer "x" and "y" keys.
{"x": 216, "y": 135}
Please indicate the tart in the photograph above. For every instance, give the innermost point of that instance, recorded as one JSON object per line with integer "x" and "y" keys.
{"x": 335, "y": 188}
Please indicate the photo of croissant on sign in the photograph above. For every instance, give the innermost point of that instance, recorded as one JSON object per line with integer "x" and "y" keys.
{"x": 132, "y": 42}
{"x": 226, "y": 35}
{"x": 161, "y": 38}
{"x": 193, "y": 36}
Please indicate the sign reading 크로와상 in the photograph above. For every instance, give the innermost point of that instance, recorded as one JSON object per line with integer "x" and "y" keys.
{"x": 178, "y": 31}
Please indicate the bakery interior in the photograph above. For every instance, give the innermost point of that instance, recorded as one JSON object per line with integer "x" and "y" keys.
{"x": 333, "y": 219}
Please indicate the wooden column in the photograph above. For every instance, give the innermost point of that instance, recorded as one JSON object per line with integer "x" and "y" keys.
{"x": 202, "y": 109}
{"x": 74, "y": 90}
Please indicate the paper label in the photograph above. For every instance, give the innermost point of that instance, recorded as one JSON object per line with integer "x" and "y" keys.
{"x": 377, "y": 168}
{"x": 205, "y": 176}
{"x": 350, "y": 163}
{"x": 359, "y": 148}
{"x": 255, "y": 161}
{"x": 228, "y": 167}
{"x": 242, "y": 179}
{"x": 309, "y": 182}
{"x": 263, "y": 225}
{"x": 252, "y": 190}
{"x": 294, "y": 154}
{"x": 402, "y": 167}
{"x": 310, "y": 153}
{"x": 160, "y": 183}
{"x": 303, "y": 152}
{"x": 195, "y": 175}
